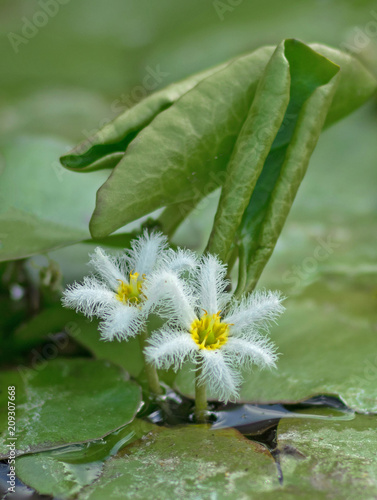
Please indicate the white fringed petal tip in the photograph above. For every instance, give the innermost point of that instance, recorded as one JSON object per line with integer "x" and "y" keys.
{"x": 116, "y": 292}
{"x": 222, "y": 344}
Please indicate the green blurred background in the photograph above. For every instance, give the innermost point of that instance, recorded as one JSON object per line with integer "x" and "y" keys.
{"x": 88, "y": 61}
{"x": 65, "y": 77}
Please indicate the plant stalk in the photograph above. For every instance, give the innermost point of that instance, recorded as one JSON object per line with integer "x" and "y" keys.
{"x": 150, "y": 369}
{"x": 200, "y": 398}
{"x": 241, "y": 272}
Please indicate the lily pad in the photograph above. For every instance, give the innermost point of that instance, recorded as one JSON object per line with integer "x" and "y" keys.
{"x": 191, "y": 462}
{"x": 68, "y": 401}
{"x": 65, "y": 471}
{"x": 328, "y": 460}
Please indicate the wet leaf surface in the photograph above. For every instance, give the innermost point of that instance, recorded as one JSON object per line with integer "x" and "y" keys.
{"x": 192, "y": 462}
{"x": 328, "y": 460}
{"x": 68, "y": 401}
{"x": 65, "y": 471}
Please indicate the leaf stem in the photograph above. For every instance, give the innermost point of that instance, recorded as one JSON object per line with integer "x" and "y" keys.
{"x": 200, "y": 398}
{"x": 150, "y": 370}
{"x": 241, "y": 272}
{"x": 232, "y": 259}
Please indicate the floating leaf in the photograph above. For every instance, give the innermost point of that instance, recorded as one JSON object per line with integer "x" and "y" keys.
{"x": 68, "y": 401}
{"x": 325, "y": 338}
{"x": 65, "y": 471}
{"x": 188, "y": 461}
{"x": 328, "y": 460}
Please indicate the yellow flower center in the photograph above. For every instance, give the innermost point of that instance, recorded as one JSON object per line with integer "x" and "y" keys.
{"x": 132, "y": 291}
{"x": 209, "y": 332}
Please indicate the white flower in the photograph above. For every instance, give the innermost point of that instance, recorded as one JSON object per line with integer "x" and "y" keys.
{"x": 118, "y": 292}
{"x": 219, "y": 345}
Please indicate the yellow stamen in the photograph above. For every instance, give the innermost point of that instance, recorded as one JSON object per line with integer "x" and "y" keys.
{"x": 209, "y": 332}
{"x": 132, "y": 291}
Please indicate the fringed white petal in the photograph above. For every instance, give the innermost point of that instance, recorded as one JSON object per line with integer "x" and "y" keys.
{"x": 171, "y": 296}
{"x": 180, "y": 260}
{"x": 219, "y": 375}
{"x": 110, "y": 268}
{"x": 90, "y": 297}
{"x": 258, "y": 310}
{"x": 211, "y": 281}
{"x": 145, "y": 252}
{"x": 121, "y": 322}
{"x": 170, "y": 348}
{"x": 246, "y": 353}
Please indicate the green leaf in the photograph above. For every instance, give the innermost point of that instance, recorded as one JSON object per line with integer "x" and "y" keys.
{"x": 356, "y": 84}
{"x": 317, "y": 241}
{"x": 313, "y": 83}
{"x": 119, "y": 240}
{"x": 43, "y": 206}
{"x": 49, "y": 321}
{"x": 181, "y": 155}
{"x": 65, "y": 471}
{"x": 126, "y": 354}
{"x": 328, "y": 460}
{"x": 188, "y": 462}
{"x": 68, "y": 401}
{"x": 250, "y": 151}
{"x": 178, "y": 157}
{"x": 105, "y": 148}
